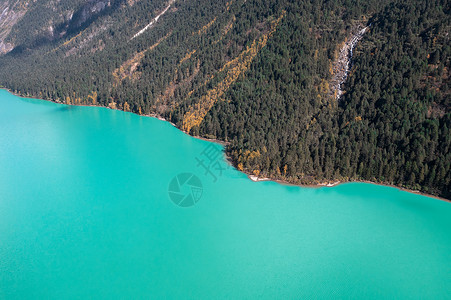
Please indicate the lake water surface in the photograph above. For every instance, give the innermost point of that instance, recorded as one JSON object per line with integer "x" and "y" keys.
{"x": 87, "y": 211}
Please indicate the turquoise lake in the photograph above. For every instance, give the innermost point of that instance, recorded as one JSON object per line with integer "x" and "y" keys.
{"x": 86, "y": 212}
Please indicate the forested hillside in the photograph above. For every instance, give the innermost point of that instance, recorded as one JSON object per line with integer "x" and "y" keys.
{"x": 256, "y": 74}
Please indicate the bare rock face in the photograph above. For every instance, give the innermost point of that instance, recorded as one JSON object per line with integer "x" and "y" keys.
{"x": 91, "y": 8}
{"x": 5, "y": 47}
{"x": 10, "y": 13}
{"x": 342, "y": 63}
{"x": 66, "y": 19}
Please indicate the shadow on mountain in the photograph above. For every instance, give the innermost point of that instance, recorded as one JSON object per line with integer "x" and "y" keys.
{"x": 84, "y": 17}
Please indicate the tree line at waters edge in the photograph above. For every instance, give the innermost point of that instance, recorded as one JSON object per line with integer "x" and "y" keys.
{"x": 392, "y": 125}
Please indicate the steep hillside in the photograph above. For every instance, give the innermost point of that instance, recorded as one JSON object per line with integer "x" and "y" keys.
{"x": 261, "y": 75}
{"x": 10, "y": 13}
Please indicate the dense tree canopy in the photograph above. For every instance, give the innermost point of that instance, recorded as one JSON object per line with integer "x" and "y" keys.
{"x": 256, "y": 74}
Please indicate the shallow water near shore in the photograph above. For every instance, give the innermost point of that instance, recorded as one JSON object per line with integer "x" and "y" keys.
{"x": 88, "y": 209}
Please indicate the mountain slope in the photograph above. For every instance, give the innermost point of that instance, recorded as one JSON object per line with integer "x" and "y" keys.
{"x": 256, "y": 74}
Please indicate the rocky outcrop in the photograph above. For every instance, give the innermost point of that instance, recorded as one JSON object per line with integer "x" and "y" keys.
{"x": 10, "y": 13}
{"x": 87, "y": 11}
{"x": 342, "y": 63}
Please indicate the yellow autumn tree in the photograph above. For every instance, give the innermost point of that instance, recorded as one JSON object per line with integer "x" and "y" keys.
{"x": 126, "y": 106}
{"x": 93, "y": 98}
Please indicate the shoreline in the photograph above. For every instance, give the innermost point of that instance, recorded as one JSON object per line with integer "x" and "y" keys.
{"x": 155, "y": 116}
{"x": 250, "y": 176}
{"x": 327, "y": 184}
